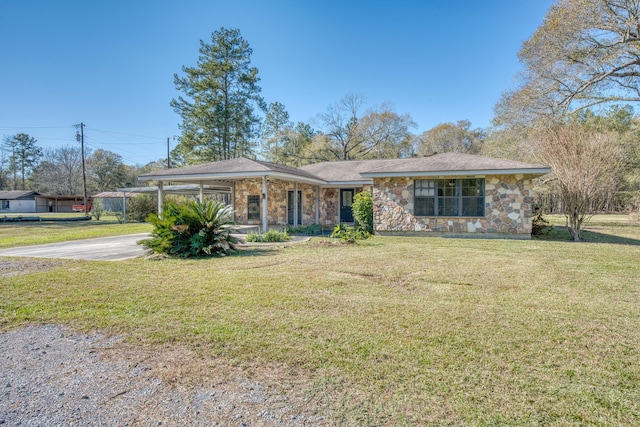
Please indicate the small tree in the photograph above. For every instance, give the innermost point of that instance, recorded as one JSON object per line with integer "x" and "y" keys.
{"x": 139, "y": 207}
{"x": 362, "y": 209}
{"x": 98, "y": 208}
{"x": 586, "y": 165}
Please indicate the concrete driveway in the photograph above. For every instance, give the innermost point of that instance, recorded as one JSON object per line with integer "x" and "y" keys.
{"x": 115, "y": 248}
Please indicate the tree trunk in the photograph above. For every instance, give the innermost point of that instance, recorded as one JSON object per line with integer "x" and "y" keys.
{"x": 574, "y": 225}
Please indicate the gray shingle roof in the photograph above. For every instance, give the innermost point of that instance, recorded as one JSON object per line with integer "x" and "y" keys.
{"x": 352, "y": 170}
{"x": 17, "y": 194}
{"x": 450, "y": 162}
{"x": 347, "y": 170}
{"x": 230, "y": 167}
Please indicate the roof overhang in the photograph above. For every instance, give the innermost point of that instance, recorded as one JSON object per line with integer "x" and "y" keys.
{"x": 232, "y": 176}
{"x": 181, "y": 189}
{"x": 523, "y": 171}
{"x": 347, "y": 184}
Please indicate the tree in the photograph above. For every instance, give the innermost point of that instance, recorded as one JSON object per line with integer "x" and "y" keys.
{"x": 451, "y": 138}
{"x": 296, "y": 145}
{"x": 23, "y": 156}
{"x": 3, "y": 169}
{"x": 275, "y": 127}
{"x": 60, "y": 171}
{"x": 105, "y": 171}
{"x": 586, "y": 165}
{"x": 218, "y": 119}
{"x": 586, "y": 52}
{"x": 380, "y": 133}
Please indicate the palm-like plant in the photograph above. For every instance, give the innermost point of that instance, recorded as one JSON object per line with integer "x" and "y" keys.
{"x": 194, "y": 229}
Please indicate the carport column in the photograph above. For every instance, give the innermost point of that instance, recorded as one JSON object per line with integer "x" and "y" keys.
{"x": 124, "y": 207}
{"x": 317, "y": 204}
{"x": 265, "y": 201}
{"x": 295, "y": 203}
{"x": 201, "y": 192}
{"x": 159, "y": 198}
{"x": 233, "y": 200}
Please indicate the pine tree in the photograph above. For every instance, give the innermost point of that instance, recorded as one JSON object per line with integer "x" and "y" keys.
{"x": 221, "y": 94}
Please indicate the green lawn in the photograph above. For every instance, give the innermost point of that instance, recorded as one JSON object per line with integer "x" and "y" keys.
{"x": 392, "y": 331}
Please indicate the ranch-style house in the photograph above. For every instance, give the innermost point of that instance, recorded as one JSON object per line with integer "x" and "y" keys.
{"x": 450, "y": 194}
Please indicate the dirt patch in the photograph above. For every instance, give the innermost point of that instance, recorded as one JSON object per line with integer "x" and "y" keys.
{"x": 54, "y": 376}
{"x": 9, "y": 268}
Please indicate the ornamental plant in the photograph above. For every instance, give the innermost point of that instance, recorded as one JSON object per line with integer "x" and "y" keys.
{"x": 192, "y": 229}
{"x": 269, "y": 236}
{"x": 362, "y": 209}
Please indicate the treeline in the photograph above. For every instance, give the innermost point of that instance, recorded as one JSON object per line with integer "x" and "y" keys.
{"x": 571, "y": 108}
{"x": 58, "y": 171}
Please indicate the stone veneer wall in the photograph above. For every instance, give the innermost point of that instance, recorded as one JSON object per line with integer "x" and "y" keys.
{"x": 277, "y": 199}
{"x": 507, "y": 208}
{"x": 329, "y": 206}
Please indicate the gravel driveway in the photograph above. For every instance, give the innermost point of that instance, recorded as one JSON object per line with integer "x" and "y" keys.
{"x": 52, "y": 376}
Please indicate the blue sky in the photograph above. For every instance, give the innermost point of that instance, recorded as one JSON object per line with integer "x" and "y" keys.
{"x": 110, "y": 64}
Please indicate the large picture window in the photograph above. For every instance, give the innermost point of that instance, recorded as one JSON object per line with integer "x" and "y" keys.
{"x": 449, "y": 197}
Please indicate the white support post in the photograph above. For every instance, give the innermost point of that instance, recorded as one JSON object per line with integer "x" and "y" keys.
{"x": 265, "y": 202}
{"x": 201, "y": 192}
{"x": 232, "y": 202}
{"x": 295, "y": 204}
{"x": 124, "y": 207}
{"x": 159, "y": 198}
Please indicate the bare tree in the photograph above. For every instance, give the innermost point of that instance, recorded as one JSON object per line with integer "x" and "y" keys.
{"x": 587, "y": 166}
{"x": 586, "y": 52}
{"x": 60, "y": 171}
{"x": 348, "y": 135}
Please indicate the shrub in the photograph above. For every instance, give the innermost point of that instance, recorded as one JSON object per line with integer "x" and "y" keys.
{"x": 192, "y": 229}
{"x": 539, "y": 225}
{"x": 98, "y": 209}
{"x": 307, "y": 230}
{"x": 348, "y": 234}
{"x": 362, "y": 209}
{"x": 268, "y": 236}
{"x": 139, "y": 207}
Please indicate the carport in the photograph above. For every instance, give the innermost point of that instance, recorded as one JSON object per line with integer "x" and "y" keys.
{"x": 224, "y": 177}
{"x": 187, "y": 189}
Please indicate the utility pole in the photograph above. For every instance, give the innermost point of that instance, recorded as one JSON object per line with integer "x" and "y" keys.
{"x": 80, "y": 137}
{"x": 168, "y": 155}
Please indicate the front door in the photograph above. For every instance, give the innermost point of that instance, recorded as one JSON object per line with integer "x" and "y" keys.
{"x": 346, "y": 200}
{"x": 290, "y": 208}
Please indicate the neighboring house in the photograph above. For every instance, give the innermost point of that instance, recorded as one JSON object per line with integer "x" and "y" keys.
{"x": 450, "y": 193}
{"x": 20, "y": 201}
{"x": 34, "y": 202}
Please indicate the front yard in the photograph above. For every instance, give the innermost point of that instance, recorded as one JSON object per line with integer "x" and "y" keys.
{"x": 391, "y": 331}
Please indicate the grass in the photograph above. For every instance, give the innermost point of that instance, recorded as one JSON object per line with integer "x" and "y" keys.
{"x": 391, "y": 331}
{"x": 33, "y": 233}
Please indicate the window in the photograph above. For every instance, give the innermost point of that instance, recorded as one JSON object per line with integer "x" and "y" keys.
{"x": 253, "y": 211}
{"x": 449, "y": 197}
{"x": 4, "y": 205}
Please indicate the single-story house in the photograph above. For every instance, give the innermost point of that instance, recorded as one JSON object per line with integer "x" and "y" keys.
{"x": 18, "y": 201}
{"x": 449, "y": 193}
{"x": 27, "y": 201}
